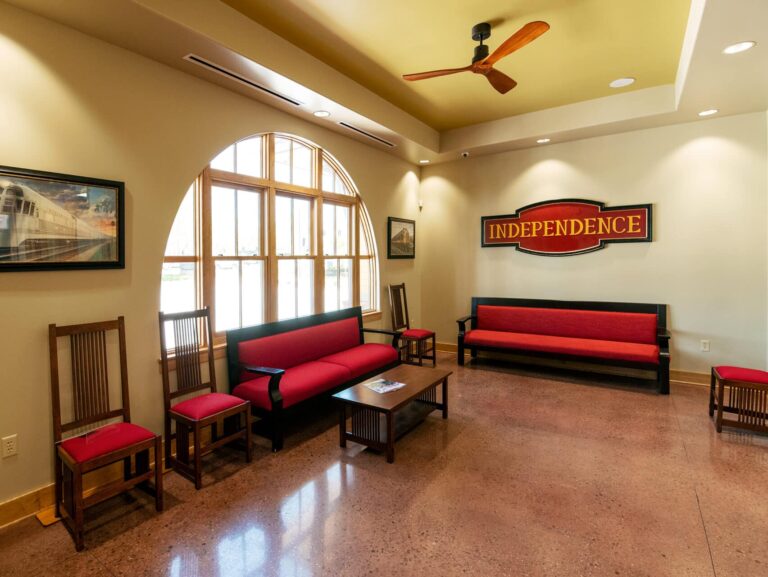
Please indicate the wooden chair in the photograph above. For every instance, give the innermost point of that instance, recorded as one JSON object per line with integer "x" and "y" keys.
{"x": 416, "y": 345}
{"x": 103, "y": 445}
{"x": 207, "y": 410}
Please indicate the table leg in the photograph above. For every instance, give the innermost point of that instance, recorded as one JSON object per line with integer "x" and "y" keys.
{"x": 445, "y": 398}
{"x": 390, "y": 439}
{"x": 342, "y": 425}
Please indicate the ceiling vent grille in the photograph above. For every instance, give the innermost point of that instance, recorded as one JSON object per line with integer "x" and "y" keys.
{"x": 207, "y": 64}
{"x": 367, "y": 134}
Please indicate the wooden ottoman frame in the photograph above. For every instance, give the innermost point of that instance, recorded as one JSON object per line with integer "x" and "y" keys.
{"x": 747, "y": 400}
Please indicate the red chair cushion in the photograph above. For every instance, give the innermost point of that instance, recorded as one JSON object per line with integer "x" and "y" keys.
{"x": 292, "y": 348}
{"x": 418, "y": 334}
{"x": 105, "y": 440}
{"x": 206, "y": 405}
{"x": 565, "y": 345}
{"x": 740, "y": 374}
{"x": 600, "y": 325}
{"x": 298, "y": 383}
{"x": 363, "y": 358}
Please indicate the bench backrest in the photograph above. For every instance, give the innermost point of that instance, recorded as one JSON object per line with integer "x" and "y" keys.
{"x": 625, "y": 322}
{"x": 285, "y": 344}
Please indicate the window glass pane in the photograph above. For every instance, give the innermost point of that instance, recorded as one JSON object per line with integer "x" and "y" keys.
{"x": 248, "y": 223}
{"x": 286, "y": 289}
{"x": 225, "y": 160}
{"x": 365, "y": 284}
{"x": 342, "y": 230}
{"x": 282, "y": 159}
{"x": 249, "y": 157}
{"x": 301, "y": 226}
{"x": 181, "y": 241}
{"x": 340, "y": 186}
{"x": 331, "y": 285}
{"x": 223, "y": 221}
{"x": 227, "y": 295}
{"x": 302, "y": 165}
{"x": 345, "y": 283}
{"x": 329, "y": 177}
{"x": 363, "y": 230}
{"x": 306, "y": 287}
{"x": 177, "y": 290}
{"x": 329, "y": 225}
{"x": 283, "y": 230}
{"x": 253, "y": 293}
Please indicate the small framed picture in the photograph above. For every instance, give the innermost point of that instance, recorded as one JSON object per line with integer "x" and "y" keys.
{"x": 401, "y": 238}
{"x": 52, "y": 221}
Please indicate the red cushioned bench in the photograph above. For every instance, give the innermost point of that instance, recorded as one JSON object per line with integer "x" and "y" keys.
{"x": 277, "y": 366}
{"x": 633, "y": 335}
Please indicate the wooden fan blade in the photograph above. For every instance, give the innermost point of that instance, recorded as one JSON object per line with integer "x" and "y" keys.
{"x": 499, "y": 80}
{"x": 435, "y": 73}
{"x": 526, "y": 34}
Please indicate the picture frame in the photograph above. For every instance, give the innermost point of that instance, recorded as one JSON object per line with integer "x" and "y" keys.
{"x": 52, "y": 221}
{"x": 401, "y": 238}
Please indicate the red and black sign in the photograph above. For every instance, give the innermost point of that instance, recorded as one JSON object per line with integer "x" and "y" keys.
{"x": 566, "y": 227}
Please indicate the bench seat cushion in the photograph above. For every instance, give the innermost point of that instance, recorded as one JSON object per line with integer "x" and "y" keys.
{"x": 616, "y": 350}
{"x": 104, "y": 440}
{"x": 204, "y": 406}
{"x": 363, "y": 359}
{"x": 297, "y": 384}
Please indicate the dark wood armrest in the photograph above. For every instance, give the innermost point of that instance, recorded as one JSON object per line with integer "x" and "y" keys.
{"x": 274, "y": 380}
{"x": 662, "y": 337}
{"x": 462, "y": 322}
{"x": 395, "y": 335}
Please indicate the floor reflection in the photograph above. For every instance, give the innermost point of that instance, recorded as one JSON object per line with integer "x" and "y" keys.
{"x": 285, "y": 544}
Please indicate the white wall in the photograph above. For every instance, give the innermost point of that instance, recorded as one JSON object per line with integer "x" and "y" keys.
{"x": 75, "y": 105}
{"x": 707, "y": 182}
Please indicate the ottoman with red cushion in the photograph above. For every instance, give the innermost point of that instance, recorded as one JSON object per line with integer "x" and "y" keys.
{"x": 743, "y": 392}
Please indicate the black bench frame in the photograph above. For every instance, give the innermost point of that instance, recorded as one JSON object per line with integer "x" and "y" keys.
{"x": 662, "y": 337}
{"x": 276, "y": 416}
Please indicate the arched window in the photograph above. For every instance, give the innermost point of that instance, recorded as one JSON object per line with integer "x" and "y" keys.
{"x": 272, "y": 229}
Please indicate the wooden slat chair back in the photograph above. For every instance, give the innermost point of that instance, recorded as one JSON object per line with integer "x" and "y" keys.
{"x": 416, "y": 345}
{"x": 192, "y": 346}
{"x": 79, "y": 439}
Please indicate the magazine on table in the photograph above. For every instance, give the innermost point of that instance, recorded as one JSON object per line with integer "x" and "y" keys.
{"x": 384, "y": 385}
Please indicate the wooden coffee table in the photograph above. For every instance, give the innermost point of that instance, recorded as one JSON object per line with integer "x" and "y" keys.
{"x": 380, "y": 418}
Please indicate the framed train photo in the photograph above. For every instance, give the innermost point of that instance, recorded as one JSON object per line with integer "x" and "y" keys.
{"x": 401, "y": 238}
{"x": 52, "y": 221}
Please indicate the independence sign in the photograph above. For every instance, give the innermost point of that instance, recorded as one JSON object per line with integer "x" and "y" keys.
{"x": 566, "y": 227}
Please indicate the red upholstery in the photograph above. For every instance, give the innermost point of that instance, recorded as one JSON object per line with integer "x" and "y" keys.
{"x": 292, "y": 348}
{"x": 600, "y": 325}
{"x": 417, "y": 334}
{"x": 105, "y": 440}
{"x": 565, "y": 345}
{"x": 363, "y": 358}
{"x": 739, "y": 374}
{"x": 298, "y": 383}
{"x": 204, "y": 406}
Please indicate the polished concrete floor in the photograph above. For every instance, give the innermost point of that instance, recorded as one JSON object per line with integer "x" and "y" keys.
{"x": 532, "y": 474}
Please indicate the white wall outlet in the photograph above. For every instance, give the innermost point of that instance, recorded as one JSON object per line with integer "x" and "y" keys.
{"x": 704, "y": 346}
{"x": 10, "y": 446}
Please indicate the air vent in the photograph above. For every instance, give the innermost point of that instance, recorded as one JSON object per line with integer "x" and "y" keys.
{"x": 235, "y": 76}
{"x": 367, "y": 134}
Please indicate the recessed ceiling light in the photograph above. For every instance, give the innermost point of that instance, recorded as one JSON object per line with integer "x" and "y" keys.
{"x": 542, "y": 140}
{"x": 423, "y": 162}
{"x": 321, "y": 113}
{"x": 709, "y": 112}
{"x": 622, "y": 82}
{"x": 739, "y": 47}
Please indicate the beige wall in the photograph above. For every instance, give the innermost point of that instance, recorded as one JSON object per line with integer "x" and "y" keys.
{"x": 707, "y": 182}
{"x": 75, "y": 105}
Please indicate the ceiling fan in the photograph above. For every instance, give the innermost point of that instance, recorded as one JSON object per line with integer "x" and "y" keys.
{"x": 482, "y": 63}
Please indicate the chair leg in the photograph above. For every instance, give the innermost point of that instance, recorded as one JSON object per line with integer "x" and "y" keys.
{"x": 712, "y": 393}
{"x": 182, "y": 443}
{"x": 59, "y": 480}
{"x": 720, "y": 395}
{"x": 197, "y": 457}
{"x": 167, "y": 437}
{"x": 158, "y": 474}
{"x": 248, "y": 425}
{"x": 434, "y": 352}
{"x": 79, "y": 517}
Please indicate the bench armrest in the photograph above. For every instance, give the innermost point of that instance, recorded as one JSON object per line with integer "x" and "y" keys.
{"x": 662, "y": 338}
{"x": 274, "y": 380}
{"x": 462, "y": 323}
{"x": 395, "y": 335}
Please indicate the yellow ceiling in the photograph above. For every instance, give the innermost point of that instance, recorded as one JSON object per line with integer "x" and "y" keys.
{"x": 590, "y": 43}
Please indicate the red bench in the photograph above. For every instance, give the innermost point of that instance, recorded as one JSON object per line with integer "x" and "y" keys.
{"x": 622, "y": 334}
{"x": 277, "y": 366}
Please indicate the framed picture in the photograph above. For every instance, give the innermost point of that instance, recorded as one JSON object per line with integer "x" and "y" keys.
{"x": 401, "y": 238}
{"x": 52, "y": 221}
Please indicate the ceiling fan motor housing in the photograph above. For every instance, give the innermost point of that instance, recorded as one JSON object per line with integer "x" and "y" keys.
{"x": 481, "y": 52}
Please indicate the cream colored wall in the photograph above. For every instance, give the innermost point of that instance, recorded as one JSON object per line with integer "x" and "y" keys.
{"x": 75, "y": 105}
{"x": 707, "y": 182}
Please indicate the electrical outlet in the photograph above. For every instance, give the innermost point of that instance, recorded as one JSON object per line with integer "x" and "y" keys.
{"x": 10, "y": 446}
{"x": 704, "y": 346}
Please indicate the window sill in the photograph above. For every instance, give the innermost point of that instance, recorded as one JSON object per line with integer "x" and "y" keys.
{"x": 372, "y": 316}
